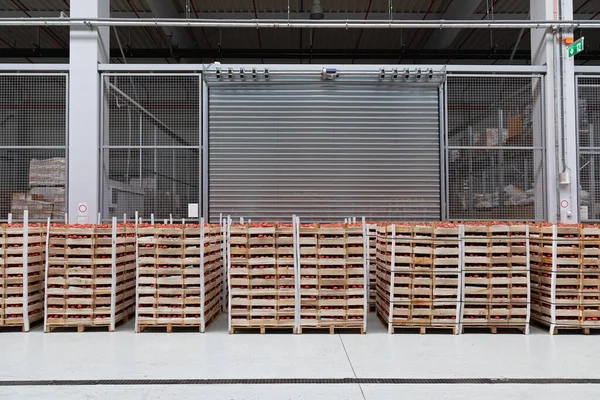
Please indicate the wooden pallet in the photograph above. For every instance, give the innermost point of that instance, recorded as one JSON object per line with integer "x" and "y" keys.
{"x": 414, "y": 328}
{"x": 262, "y": 329}
{"x": 19, "y": 327}
{"x": 452, "y": 329}
{"x": 494, "y": 329}
{"x": 170, "y": 328}
{"x": 80, "y": 328}
{"x": 558, "y": 329}
{"x": 333, "y": 329}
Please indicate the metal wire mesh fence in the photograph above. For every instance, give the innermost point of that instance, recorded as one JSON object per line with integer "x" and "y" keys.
{"x": 151, "y": 145}
{"x": 33, "y": 145}
{"x": 588, "y": 89}
{"x": 494, "y": 148}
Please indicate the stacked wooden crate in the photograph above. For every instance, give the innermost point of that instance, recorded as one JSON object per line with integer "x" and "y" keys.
{"x": 333, "y": 276}
{"x": 90, "y": 276}
{"x": 179, "y": 276}
{"x": 394, "y": 246}
{"x": 70, "y": 279}
{"x": 418, "y": 277}
{"x": 238, "y": 277}
{"x": 447, "y": 282}
{"x": 262, "y": 276}
{"x": 286, "y": 275}
{"x": 495, "y": 277}
{"x": 308, "y": 273}
{"x": 121, "y": 254}
{"x": 372, "y": 265}
{"x": 212, "y": 269}
{"x": 22, "y": 255}
{"x": 565, "y": 278}
{"x": 589, "y": 267}
{"x": 162, "y": 280}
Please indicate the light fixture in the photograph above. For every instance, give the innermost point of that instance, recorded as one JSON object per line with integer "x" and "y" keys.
{"x": 316, "y": 11}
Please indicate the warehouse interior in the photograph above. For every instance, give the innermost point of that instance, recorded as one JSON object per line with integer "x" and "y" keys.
{"x": 152, "y": 125}
{"x": 132, "y": 128}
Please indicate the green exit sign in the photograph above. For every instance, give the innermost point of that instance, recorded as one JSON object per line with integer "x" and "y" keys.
{"x": 575, "y": 48}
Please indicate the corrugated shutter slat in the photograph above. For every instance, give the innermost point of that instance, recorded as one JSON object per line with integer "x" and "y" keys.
{"x": 324, "y": 151}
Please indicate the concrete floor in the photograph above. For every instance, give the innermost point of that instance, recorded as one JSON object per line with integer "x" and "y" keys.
{"x": 126, "y": 355}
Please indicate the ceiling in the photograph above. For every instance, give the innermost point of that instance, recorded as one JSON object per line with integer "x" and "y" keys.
{"x": 474, "y": 46}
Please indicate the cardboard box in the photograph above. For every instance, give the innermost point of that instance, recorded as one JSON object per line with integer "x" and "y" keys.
{"x": 515, "y": 126}
{"x": 38, "y": 210}
{"x": 54, "y": 195}
{"x": 48, "y": 172}
{"x": 492, "y": 139}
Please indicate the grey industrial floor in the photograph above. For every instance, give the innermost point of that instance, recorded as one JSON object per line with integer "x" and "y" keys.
{"x": 124, "y": 355}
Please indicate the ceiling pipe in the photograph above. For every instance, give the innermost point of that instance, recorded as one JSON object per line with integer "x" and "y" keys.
{"x": 296, "y": 24}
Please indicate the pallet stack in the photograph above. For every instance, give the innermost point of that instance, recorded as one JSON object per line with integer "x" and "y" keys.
{"x": 333, "y": 278}
{"x": 495, "y": 277}
{"x": 372, "y": 265}
{"x": 238, "y": 277}
{"x": 590, "y": 275}
{"x": 447, "y": 282}
{"x": 286, "y": 275}
{"x": 179, "y": 276}
{"x": 418, "y": 277}
{"x": 124, "y": 275}
{"x": 262, "y": 276}
{"x": 308, "y": 273}
{"x": 565, "y": 278}
{"x": 22, "y": 255}
{"x": 90, "y": 276}
{"x": 211, "y": 261}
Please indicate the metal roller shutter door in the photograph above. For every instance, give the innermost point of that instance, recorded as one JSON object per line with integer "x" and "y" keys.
{"x": 324, "y": 151}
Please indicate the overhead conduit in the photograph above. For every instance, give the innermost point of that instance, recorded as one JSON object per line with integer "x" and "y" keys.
{"x": 297, "y": 24}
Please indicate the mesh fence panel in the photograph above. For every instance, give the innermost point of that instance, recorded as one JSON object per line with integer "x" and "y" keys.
{"x": 151, "y": 145}
{"x": 495, "y": 154}
{"x": 588, "y": 89}
{"x": 33, "y": 145}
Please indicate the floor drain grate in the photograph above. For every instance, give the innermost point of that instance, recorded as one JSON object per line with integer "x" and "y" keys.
{"x": 308, "y": 381}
